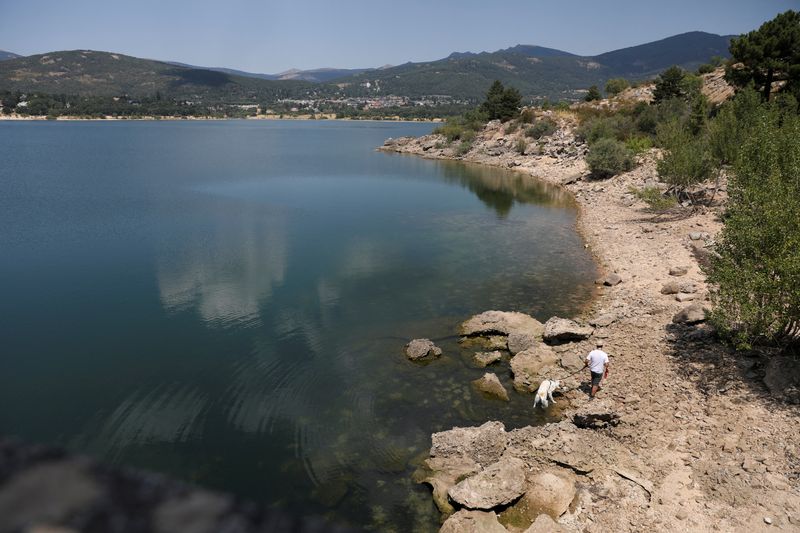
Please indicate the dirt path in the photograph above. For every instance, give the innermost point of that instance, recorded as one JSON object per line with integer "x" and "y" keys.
{"x": 723, "y": 454}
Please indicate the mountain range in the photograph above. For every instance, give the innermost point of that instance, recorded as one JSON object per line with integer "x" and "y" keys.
{"x": 536, "y": 71}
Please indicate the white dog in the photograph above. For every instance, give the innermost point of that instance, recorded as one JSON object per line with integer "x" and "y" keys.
{"x": 545, "y": 392}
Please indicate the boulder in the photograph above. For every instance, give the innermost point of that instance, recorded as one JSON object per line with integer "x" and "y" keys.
{"x": 466, "y": 521}
{"x": 529, "y": 365}
{"x": 610, "y": 280}
{"x": 441, "y": 474}
{"x": 545, "y": 524}
{"x": 604, "y": 320}
{"x": 558, "y": 330}
{"x": 498, "y": 484}
{"x": 550, "y": 493}
{"x": 518, "y": 342}
{"x": 484, "y": 444}
{"x": 688, "y": 287}
{"x": 571, "y": 362}
{"x": 490, "y": 384}
{"x": 684, "y": 297}
{"x": 690, "y": 315}
{"x": 671, "y": 287}
{"x": 678, "y": 271}
{"x": 501, "y": 322}
{"x": 483, "y": 359}
{"x": 422, "y": 348}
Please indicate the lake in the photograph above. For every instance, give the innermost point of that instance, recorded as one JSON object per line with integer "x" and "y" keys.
{"x": 227, "y": 302}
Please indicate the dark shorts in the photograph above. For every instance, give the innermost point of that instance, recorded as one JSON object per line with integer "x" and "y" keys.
{"x": 596, "y": 377}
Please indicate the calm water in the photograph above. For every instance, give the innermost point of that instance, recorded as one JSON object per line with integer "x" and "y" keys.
{"x": 227, "y": 302}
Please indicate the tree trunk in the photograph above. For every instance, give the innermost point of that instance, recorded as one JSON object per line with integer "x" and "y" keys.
{"x": 768, "y": 84}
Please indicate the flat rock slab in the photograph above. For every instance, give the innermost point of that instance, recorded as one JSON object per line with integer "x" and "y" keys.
{"x": 530, "y": 366}
{"x": 550, "y": 494}
{"x": 545, "y": 524}
{"x": 501, "y": 322}
{"x": 421, "y": 349}
{"x": 466, "y": 521}
{"x": 518, "y": 342}
{"x": 484, "y": 444}
{"x": 483, "y": 359}
{"x": 490, "y": 384}
{"x": 498, "y": 484}
{"x": 558, "y": 330}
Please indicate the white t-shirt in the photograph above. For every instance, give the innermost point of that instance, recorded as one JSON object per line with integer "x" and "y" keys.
{"x": 597, "y": 360}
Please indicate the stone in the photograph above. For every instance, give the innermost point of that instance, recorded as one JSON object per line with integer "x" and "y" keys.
{"x": 503, "y": 323}
{"x": 466, "y": 521}
{"x": 683, "y": 297}
{"x": 490, "y": 384}
{"x": 484, "y": 444}
{"x": 603, "y": 320}
{"x": 682, "y": 514}
{"x": 610, "y": 280}
{"x": 422, "y": 348}
{"x": 678, "y": 271}
{"x": 442, "y": 473}
{"x": 518, "y": 342}
{"x": 483, "y": 359}
{"x": 782, "y": 375}
{"x": 690, "y": 315}
{"x": 688, "y": 287}
{"x": 498, "y": 484}
{"x": 695, "y": 235}
{"x": 558, "y": 330}
{"x": 571, "y": 362}
{"x": 529, "y": 365}
{"x": 545, "y": 524}
{"x": 671, "y": 287}
{"x": 549, "y": 493}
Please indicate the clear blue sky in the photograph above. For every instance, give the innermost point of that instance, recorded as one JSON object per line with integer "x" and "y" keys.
{"x": 272, "y": 36}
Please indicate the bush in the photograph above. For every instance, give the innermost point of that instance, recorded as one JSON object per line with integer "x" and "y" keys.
{"x": 705, "y": 68}
{"x": 618, "y": 127}
{"x": 541, "y": 128}
{"x": 608, "y": 157}
{"x": 639, "y": 144}
{"x": 527, "y": 116}
{"x": 615, "y": 86}
{"x": 521, "y": 145}
{"x": 463, "y": 148}
{"x": 657, "y": 200}
{"x": 501, "y": 103}
{"x": 593, "y": 94}
{"x": 726, "y": 131}
{"x": 512, "y": 126}
{"x": 757, "y": 269}
{"x": 687, "y": 160}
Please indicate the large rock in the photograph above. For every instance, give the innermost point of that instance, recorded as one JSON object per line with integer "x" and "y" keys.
{"x": 545, "y": 524}
{"x": 490, "y": 384}
{"x": 501, "y": 322}
{"x": 422, "y": 348}
{"x": 690, "y": 315}
{"x": 442, "y": 473}
{"x": 571, "y": 362}
{"x": 484, "y": 444}
{"x": 549, "y": 493}
{"x": 466, "y": 521}
{"x": 483, "y": 359}
{"x": 498, "y": 484}
{"x": 671, "y": 287}
{"x": 528, "y": 367}
{"x": 610, "y": 280}
{"x": 558, "y": 330}
{"x": 678, "y": 271}
{"x": 518, "y": 342}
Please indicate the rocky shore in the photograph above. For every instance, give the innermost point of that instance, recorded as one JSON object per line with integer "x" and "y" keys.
{"x": 685, "y": 435}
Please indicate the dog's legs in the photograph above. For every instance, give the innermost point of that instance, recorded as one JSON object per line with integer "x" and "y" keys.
{"x": 536, "y": 401}
{"x": 550, "y": 396}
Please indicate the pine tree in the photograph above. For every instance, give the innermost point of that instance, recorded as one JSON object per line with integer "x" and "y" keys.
{"x": 593, "y": 94}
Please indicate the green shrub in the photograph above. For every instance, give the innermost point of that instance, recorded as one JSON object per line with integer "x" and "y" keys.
{"x": 618, "y": 127}
{"x": 451, "y": 131}
{"x": 687, "y": 159}
{"x": 705, "y": 68}
{"x": 727, "y": 130}
{"x": 502, "y": 103}
{"x": 541, "y": 128}
{"x": 521, "y": 145}
{"x": 608, "y": 157}
{"x": 463, "y": 148}
{"x": 527, "y": 116}
{"x": 639, "y": 144}
{"x": 757, "y": 270}
{"x": 562, "y": 105}
{"x": 655, "y": 198}
{"x": 615, "y": 86}
{"x": 512, "y": 126}
{"x": 593, "y": 94}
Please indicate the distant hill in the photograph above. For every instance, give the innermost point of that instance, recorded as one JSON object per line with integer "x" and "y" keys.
{"x": 318, "y": 75}
{"x": 8, "y": 55}
{"x": 538, "y": 71}
{"x": 92, "y": 73}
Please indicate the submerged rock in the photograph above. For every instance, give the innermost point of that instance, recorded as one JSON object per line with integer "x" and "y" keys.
{"x": 442, "y": 473}
{"x": 466, "y": 521}
{"x": 422, "y": 348}
{"x": 558, "y": 330}
{"x": 501, "y": 322}
{"x": 498, "y": 484}
{"x": 490, "y": 384}
{"x": 483, "y": 359}
{"x": 529, "y": 367}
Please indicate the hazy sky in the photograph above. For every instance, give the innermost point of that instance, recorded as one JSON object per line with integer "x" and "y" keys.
{"x": 272, "y": 36}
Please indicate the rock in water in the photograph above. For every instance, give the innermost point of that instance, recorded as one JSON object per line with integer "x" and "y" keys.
{"x": 422, "y": 348}
{"x": 483, "y": 359}
{"x": 690, "y": 315}
{"x": 518, "y": 342}
{"x": 498, "y": 484}
{"x": 529, "y": 365}
{"x": 558, "y": 330}
{"x": 490, "y": 384}
{"x": 484, "y": 444}
{"x": 549, "y": 493}
{"x": 442, "y": 473}
{"x": 501, "y": 322}
{"x": 466, "y": 521}
{"x": 545, "y": 524}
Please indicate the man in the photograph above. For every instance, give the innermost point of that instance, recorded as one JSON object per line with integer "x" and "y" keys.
{"x": 597, "y": 361}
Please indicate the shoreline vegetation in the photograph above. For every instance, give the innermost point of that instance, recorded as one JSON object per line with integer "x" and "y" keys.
{"x": 321, "y": 117}
{"x": 697, "y": 426}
